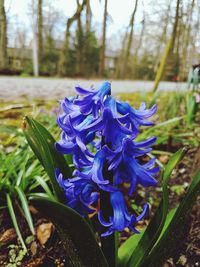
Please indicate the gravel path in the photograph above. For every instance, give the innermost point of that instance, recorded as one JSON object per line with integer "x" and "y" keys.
{"x": 55, "y": 88}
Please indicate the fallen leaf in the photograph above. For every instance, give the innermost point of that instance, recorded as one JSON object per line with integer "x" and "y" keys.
{"x": 164, "y": 159}
{"x": 43, "y": 232}
{"x": 33, "y": 248}
{"x": 33, "y": 210}
{"x": 8, "y": 236}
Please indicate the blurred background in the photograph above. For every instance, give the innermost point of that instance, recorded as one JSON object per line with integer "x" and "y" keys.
{"x": 99, "y": 38}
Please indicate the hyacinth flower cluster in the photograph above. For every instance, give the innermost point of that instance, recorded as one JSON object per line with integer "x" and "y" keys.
{"x": 99, "y": 132}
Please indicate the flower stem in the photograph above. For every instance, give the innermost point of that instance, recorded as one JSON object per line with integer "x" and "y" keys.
{"x": 108, "y": 243}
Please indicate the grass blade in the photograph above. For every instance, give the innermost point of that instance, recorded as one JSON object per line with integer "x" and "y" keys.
{"x": 25, "y": 208}
{"x": 14, "y": 220}
{"x": 44, "y": 185}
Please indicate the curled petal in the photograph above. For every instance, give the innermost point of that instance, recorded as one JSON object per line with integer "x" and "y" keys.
{"x": 97, "y": 169}
{"x": 121, "y": 218}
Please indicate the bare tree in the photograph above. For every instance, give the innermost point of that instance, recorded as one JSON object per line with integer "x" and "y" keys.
{"x": 168, "y": 49}
{"x": 163, "y": 38}
{"x": 187, "y": 36}
{"x": 64, "y": 51}
{"x": 3, "y": 36}
{"x": 34, "y": 21}
{"x": 103, "y": 45}
{"x": 135, "y": 57}
{"x": 123, "y": 62}
{"x": 80, "y": 46}
{"x": 88, "y": 16}
{"x": 129, "y": 41}
{"x": 40, "y": 33}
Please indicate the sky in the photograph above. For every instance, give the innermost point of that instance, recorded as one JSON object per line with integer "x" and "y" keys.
{"x": 120, "y": 12}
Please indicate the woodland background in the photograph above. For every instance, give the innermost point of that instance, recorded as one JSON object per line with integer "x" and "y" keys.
{"x": 167, "y": 36}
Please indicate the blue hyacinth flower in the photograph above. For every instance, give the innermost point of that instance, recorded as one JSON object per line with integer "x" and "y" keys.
{"x": 110, "y": 126}
{"x": 136, "y": 117}
{"x": 126, "y": 167}
{"x": 92, "y": 101}
{"x": 121, "y": 218}
{"x": 80, "y": 193}
{"x": 100, "y": 133}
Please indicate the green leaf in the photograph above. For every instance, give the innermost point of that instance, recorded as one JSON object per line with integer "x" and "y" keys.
{"x": 175, "y": 230}
{"x": 190, "y": 108}
{"x": 25, "y": 208}
{"x": 44, "y": 185}
{"x": 78, "y": 239}
{"x": 126, "y": 249}
{"x": 42, "y": 144}
{"x": 169, "y": 217}
{"x": 158, "y": 126}
{"x": 14, "y": 220}
{"x": 152, "y": 233}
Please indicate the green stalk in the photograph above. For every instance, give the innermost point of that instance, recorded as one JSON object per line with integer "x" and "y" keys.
{"x": 108, "y": 243}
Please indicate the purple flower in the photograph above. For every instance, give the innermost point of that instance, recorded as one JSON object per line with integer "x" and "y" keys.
{"x": 80, "y": 193}
{"x": 121, "y": 218}
{"x": 126, "y": 167}
{"x": 93, "y": 101}
{"x": 136, "y": 117}
{"x": 100, "y": 134}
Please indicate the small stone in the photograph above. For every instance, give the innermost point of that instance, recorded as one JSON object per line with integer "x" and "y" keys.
{"x": 182, "y": 170}
{"x": 182, "y": 260}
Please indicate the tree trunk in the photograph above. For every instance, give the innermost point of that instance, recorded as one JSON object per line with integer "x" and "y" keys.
{"x": 35, "y": 54}
{"x": 33, "y": 7}
{"x": 62, "y": 71}
{"x": 88, "y": 17}
{"x": 40, "y": 34}
{"x": 168, "y": 50}
{"x": 80, "y": 48}
{"x": 136, "y": 57}
{"x": 103, "y": 46}
{"x": 120, "y": 59}
{"x": 187, "y": 38}
{"x": 3, "y": 37}
{"x": 163, "y": 37}
{"x": 129, "y": 43}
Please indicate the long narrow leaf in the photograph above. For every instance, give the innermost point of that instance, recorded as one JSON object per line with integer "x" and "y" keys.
{"x": 155, "y": 226}
{"x": 42, "y": 144}
{"x": 14, "y": 220}
{"x": 126, "y": 249}
{"x": 174, "y": 233}
{"x": 25, "y": 208}
{"x": 44, "y": 185}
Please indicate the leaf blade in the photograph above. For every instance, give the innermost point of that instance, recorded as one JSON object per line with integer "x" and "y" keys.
{"x": 155, "y": 226}
{"x": 14, "y": 220}
{"x": 42, "y": 144}
{"x": 78, "y": 239}
{"x": 167, "y": 242}
{"x": 25, "y": 208}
